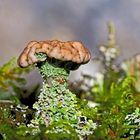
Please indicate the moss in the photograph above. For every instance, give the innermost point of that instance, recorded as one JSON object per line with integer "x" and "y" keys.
{"x": 57, "y": 105}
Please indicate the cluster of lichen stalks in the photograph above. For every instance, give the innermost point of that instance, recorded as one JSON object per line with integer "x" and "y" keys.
{"x": 57, "y": 104}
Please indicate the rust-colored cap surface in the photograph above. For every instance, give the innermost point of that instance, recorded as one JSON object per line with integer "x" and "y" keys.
{"x": 66, "y": 51}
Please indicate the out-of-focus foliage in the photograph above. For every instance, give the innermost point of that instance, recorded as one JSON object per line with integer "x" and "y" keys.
{"x": 115, "y": 92}
{"x": 113, "y": 108}
{"x": 12, "y": 78}
{"x": 132, "y": 68}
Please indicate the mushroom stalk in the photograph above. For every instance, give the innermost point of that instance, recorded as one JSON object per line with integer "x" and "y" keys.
{"x": 52, "y": 101}
{"x": 57, "y": 104}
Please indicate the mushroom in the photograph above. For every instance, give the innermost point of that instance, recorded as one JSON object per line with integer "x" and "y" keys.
{"x": 55, "y": 59}
{"x": 72, "y": 52}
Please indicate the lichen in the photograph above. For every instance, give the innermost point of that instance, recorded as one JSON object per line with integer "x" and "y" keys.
{"x": 57, "y": 104}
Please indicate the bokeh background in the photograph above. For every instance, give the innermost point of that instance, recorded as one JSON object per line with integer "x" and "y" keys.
{"x": 22, "y": 21}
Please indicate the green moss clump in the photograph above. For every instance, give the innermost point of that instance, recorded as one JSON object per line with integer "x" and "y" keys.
{"x": 57, "y": 106}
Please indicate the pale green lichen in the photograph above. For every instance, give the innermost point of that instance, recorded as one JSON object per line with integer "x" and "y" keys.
{"x": 57, "y": 104}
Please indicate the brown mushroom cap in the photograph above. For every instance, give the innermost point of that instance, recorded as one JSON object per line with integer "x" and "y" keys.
{"x": 73, "y": 51}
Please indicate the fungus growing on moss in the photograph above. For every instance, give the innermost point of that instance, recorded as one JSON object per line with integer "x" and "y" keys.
{"x": 56, "y": 103}
{"x": 72, "y": 51}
